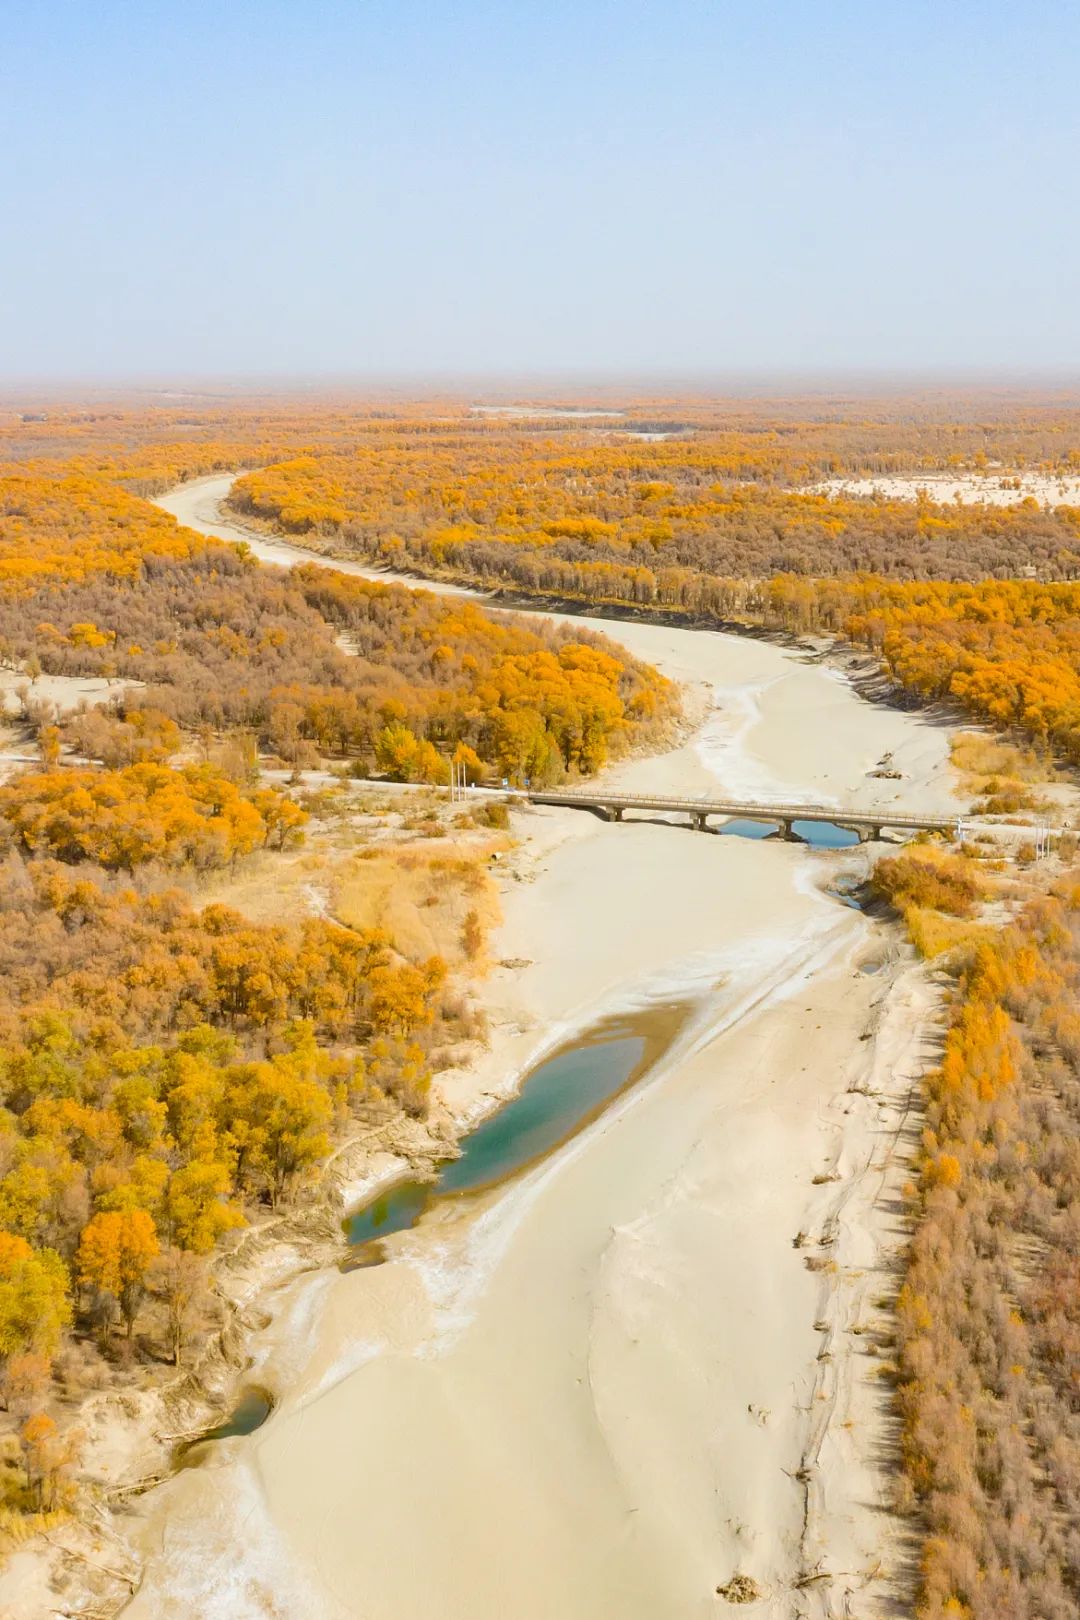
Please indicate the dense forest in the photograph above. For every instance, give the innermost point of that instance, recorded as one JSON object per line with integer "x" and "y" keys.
{"x": 100, "y": 583}
{"x": 706, "y": 527}
{"x": 1007, "y": 652}
{"x": 792, "y": 439}
{"x": 630, "y": 521}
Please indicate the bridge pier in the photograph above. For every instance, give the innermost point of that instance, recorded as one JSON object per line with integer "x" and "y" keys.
{"x": 613, "y": 812}
{"x": 700, "y": 820}
{"x": 787, "y": 830}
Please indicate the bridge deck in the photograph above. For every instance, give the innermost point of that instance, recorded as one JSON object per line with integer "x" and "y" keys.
{"x": 839, "y": 815}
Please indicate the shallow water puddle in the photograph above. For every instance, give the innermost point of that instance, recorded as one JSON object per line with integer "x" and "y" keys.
{"x": 817, "y": 834}
{"x": 250, "y": 1413}
{"x": 825, "y": 834}
{"x": 560, "y": 1096}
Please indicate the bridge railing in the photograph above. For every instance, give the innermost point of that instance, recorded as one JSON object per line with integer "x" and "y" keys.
{"x": 759, "y": 811}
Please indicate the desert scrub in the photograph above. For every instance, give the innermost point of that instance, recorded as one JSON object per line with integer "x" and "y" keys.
{"x": 989, "y": 1308}
{"x": 925, "y": 876}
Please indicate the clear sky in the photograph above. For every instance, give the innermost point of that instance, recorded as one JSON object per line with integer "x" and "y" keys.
{"x": 313, "y": 187}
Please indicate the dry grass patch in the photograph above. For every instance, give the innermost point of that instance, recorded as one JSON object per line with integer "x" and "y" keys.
{"x": 979, "y": 756}
{"x": 433, "y": 899}
{"x": 272, "y": 886}
{"x": 933, "y": 934}
{"x": 1000, "y": 774}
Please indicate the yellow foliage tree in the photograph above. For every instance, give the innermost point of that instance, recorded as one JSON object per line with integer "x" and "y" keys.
{"x": 116, "y": 1251}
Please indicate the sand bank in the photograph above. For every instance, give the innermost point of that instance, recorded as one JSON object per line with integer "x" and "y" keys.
{"x": 614, "y": 1384}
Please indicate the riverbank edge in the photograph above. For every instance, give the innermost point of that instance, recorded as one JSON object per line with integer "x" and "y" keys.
{"x": 276, "y": 1256}
{"x": 864, "y": 670}
{"x": 144, "y": 1426}
{"x": 852, "y": 1426}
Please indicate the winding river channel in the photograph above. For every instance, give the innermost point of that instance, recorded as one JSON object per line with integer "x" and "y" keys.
{"x": 605, "y": 1365}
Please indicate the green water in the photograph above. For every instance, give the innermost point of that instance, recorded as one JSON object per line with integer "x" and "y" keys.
{"x": 396, "y": 1208}
{"x": 556, "y": 1099}
{"x": 250, "y": 1412}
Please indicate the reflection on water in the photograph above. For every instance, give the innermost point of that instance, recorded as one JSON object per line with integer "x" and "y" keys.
{"x": 740, "y": 828}
{"x": 396, "y": 1208}
{"x": 818, "y": 834}
{"x": 825, "y": 834}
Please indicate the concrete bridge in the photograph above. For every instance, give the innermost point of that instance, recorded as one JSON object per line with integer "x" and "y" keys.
{"x": 865, "y": 824}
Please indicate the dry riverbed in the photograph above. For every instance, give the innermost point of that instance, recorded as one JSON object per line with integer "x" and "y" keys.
{"x": 643, "y": 1377}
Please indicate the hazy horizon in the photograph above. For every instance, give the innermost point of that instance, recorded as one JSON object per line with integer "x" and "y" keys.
{"x": 394, "y": 194}
{"x": 544, "y": 387}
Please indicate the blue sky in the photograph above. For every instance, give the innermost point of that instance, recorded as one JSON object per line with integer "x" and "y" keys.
{"x": 370, "y": 187}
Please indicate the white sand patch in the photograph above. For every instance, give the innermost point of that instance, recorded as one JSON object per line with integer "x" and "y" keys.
{"x": 996, "y": 487}
{"x": 725, "y": 748}
{"x": 64, "y": 692}
{"x": 231, "y": 1565}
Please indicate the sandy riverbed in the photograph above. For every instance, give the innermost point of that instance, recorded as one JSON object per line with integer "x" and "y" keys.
{"x": 590, "y": 1394}
{"x": 198, "y": 504}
